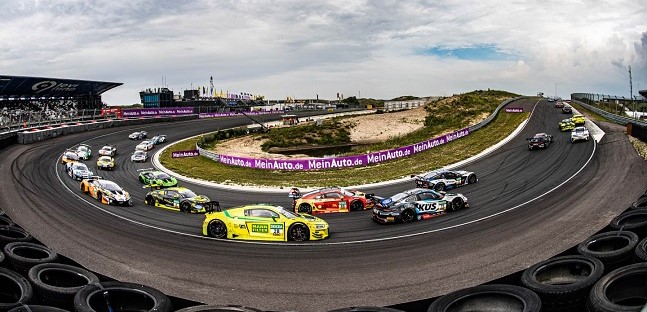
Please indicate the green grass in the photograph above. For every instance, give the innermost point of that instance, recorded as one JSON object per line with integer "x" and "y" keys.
{"x": 331, "y": 132}
{"x": 206, "y": 169}
{"x": 588, "y": 113}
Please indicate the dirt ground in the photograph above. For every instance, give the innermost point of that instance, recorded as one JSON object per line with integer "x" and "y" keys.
{"x": 368, "y": 129}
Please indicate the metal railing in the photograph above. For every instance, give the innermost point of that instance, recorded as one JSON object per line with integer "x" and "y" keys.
{"x": 619, "y": 119}
{"x": 14, "y": 120}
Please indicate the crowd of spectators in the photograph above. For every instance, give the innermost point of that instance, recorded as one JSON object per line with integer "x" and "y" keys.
{"x": 16, "y": 113}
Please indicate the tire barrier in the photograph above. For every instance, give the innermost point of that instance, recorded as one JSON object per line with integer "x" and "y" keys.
{"x": 127, "y": 296}
{"x": 563, "y": 283}
{"x": 37, "y": 308}
{"x": 15, "y": 290}
{"x": 12, "y": 234}
{"x": 56, "y": 284}
{"x": 5, "y": 221}
{"x": 640, "y": 253}
{"x": 218, "y": 308}
{"x": 2, "y": 213}
{"x": 1, "y": 257}
{"x": 24, "y": 255}
{"x": 641, "y": 203}
{"x": 632, "y": 220}
{"x": 623, "y": 289}
{"x": 614, "y": 248}
{"x": 492, "y": 297}
{"x": 366, "y": 309}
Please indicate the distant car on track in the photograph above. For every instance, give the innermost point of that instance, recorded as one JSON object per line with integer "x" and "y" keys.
{"x": 139, "y": 156}
{"x": 78, "y": 170}
{"x": 138, "y": 135}
{"x": 179, "y": 199}
{"x": 579, "y": 134}
{"x": 416, "y": 204}
{"x": 566, "y": 125}
{"x": 440, "y": 180}
{"x": 158, "y": 139}
{"x": 567, "y": 109}
{"x": 155, "y": 178}
{"x": 106, "y": 163}
{"x": 108, "y": 150}
{"x": 559, "y": 104}
{"x": 328, "y": 200}
{"x": 145, "y": 146}
{"x": 264, "y": 222}
{"x": 539, "y": 141}
{"x": 578, "y": 119}
{"x": 69, "y": 156}
{"x": 84, "y": 151}
{"x": 107, "y": 192}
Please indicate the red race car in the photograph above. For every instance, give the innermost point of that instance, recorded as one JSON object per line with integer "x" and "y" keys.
{"x": 328, "y": 200}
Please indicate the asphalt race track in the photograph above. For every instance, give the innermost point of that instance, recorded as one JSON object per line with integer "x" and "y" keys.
{"x": 526, "y": 207}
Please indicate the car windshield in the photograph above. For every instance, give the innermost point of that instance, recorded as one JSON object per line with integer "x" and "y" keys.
{"x": 80, "y": 166}
{"x": 535, "y": 140}
{"x": 347, "y": 193}
{"x": 110, "y": 186}
{"x": 432, "y": 176}
{"x": 82, "y": 149}
{"x": 104, "y": 158}
{"x": 146, "y": 142}
{"x": 162, "y": 175}
{"x": 71, "y": 155}
{"x": 579, "y": 129}
{"x": 106, "y": 148}
{"x": 140, "y": 153}
{"x": 287, "y": 213}
{"x": 187, "y": 193}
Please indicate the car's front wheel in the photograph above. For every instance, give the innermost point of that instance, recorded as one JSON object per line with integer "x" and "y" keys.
{"x": 305, "y": 208}
{"x": 356, "y": 206}
{"x": 217, "y": 229}
{"x": 455, "y": 204}
{"x": 185, "y": 207}
{"x": 298, "y": 232}
{"x": 471, "y": 179}
{"x": 408, "y": 216}
{"x": 439, "y": 187}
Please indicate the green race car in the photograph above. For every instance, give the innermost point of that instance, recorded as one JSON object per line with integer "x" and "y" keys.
{"x": 156, "y": 178}
{"x": 179, "y": 199}
{"x": 566, "y": 125}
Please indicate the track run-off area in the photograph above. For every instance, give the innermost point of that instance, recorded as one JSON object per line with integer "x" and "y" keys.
{"x": 526, "y": 207}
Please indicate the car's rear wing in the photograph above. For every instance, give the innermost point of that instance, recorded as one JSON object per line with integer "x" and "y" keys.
{"x": 146, "y": 169}
{"x": 294, "y": 193}
{"x": 374, "y": 199}
{"x": 212, "y": 206}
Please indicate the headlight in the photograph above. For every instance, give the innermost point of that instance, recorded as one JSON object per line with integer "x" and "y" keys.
{"x": 320, "y": 226}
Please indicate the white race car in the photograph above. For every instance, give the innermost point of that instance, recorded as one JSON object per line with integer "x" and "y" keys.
{"x": 145, "y": 146}
{"x": 579, "y": 134}
{"x": 139, "y": 156}
{"x": 442, "y": 180}
{"x": 138, "y": 135}
{"x": 78, "y": 170}
{"x": 108, "y": 150}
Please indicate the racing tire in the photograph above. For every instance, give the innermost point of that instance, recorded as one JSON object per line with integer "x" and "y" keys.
{"x": 5, "y": 221}
{"x": 122, "y": 296}
{"x": 305, "y": 208}
{"x": 614, "y": 248}
{"x": 83, "y": 189}
{"x": 100, "y": 197}
{"x": 439, "y": 187}
{"x": 24, "y": 255}
{"x": 641, "y": 251}
{"x": 217, "y": 229}
{"x": 456, "y": 204}
{"x": 408, "y": 216}
{"x": 641, "y": 203}
{"x": 356, "y": 206}
{"x": 218, "y": 308}
{"x": 367, "y": 309}
{"x": 632, "y": 220}
{"x": 15, "y": 290}
{"x": 563, "y": 283}
{"x": 2, "y": 257}
{"x": 623, "y": 289}
{"x": 298, "y": 233}
{"x": 56, "y": 284}
{"x": 471, "y": 179}
{"x": 11, "y": 234}
{"x": 185, "y": 206}
{"x": 36, "y": 308}
{"x": 129, "y": 203}
{"x": 492, "y": 297}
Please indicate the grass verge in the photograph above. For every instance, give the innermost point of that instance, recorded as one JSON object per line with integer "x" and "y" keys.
{"x": 206, "y": 169}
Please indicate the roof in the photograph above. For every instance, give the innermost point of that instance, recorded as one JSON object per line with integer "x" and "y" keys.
{"x": 38, "y": 87}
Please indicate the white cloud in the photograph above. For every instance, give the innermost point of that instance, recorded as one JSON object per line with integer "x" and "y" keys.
{"x": 304, "y": 48}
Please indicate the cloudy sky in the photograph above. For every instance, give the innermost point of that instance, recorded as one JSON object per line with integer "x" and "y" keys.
{"x": 374, "y": 49}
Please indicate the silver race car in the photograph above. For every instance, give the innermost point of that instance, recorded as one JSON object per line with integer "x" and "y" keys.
{"x": 441, "y": 180}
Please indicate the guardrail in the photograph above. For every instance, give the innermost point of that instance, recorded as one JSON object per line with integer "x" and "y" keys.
{"x": 621, "y": 120}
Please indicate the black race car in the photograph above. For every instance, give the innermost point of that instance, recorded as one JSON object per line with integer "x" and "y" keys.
{"x": 539, "y": 141}
{"x": 415, "y": 204}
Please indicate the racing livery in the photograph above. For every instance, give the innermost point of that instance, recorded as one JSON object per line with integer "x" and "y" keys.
{"x": 567, "y": 109}
{"x": 179, "y": 199}
{"x": 328, "y": 200}
{"x": 108, "y": 150}
{"x": 578, "y": 119}
{"x": 138, "y": 135}
{"x": 106, "y": 163}
{"x": 144, "y": 146}
{"x": 78, "y": 170}
{"x": 579, "y": 134}
{"x": 566, "y": 125}
{"x": 264, "y": 222}
{"x": 107, "y": 192}
{"x": 158, "y": 139}
{"x": 156, "y": 178}
{"x": 441, "y": 180}
{"x": 540, "y": 140}
{"x": 139, "y": 156}
{"x": 416, "y": 204}
{"x": 69, "y": 156}
{"x": 84, "y": 151}
{"x": 559, "y": 104}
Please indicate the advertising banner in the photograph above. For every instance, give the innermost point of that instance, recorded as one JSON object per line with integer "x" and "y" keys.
{"x": 341, "y": 162}
{"x": 514, "y": 110}
{"x": 146, "y": 112}
{"x": 182, "y": 154}
{"x": 228, "y": 114}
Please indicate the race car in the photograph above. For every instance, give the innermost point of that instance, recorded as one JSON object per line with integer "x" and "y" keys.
{"x": 566, "y": 125}
{"x": 180, "y": 199}
{"x": 138, "y": 135}
{"x": 540, "y": 140}
{"x": 108, "y": 150}
{"x": 106, "y": 163}
{"x": 263, "y": 222}
{"x": 579, "y": 134}
{"x": 144, "y": 146}
{"x": 441, "y": 180}
{"x": 327, "y": 200}
{"x": 567, "y": 109}
{"x": 156, "y": 178}
{"x": 416, "y": 204}
{"x": 578, "y": 119}
{"x": 78, "y": 170}
{"x": 139, "y": 156}
{"x": 559, "y": 104}
{"x": 107, "y": 192}
{"x": 158, "y": 139}
{"x": 84, "y": 151}
{"x": 69, "y": 156}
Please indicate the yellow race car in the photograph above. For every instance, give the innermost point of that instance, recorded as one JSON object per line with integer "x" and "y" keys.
{"x": 264, "y": 222}
{"x": 69, "y": 156}
{"x": 566, "y": 125}
{"x": 106, "y": 192}
{"x": 106, "y": 163}
{"x": 578, "y": 119}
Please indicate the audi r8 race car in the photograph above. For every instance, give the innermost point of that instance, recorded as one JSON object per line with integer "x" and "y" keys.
{"x": 578, "y": 119}
{"x": 180, "y": 199}
{"x": 264, "y": 222}
{"x": 567, "y": 109}
{"x": 158, "y": 139}
{"x": 156, "y": 178}
{"x": 144, "y": 146}
{"x": 441, "y": 180}
{"x": 78, "y": 170}
{"x": 84, "y": 151}
{"x": 416, "y": 204}
{"x": 327, "y": 200}
{"x": 108, "y": 150}
{"x": 540, "y": 140}
{"x": 106, "y": 163}
{"x": 579, "y": 133}
{"x": 566, "y": 125}
{"x": 107, "y": 192}
{"x": 69, "y": 156}
{"x": 139, "y": 156}
{"x": 138, "y": 135}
